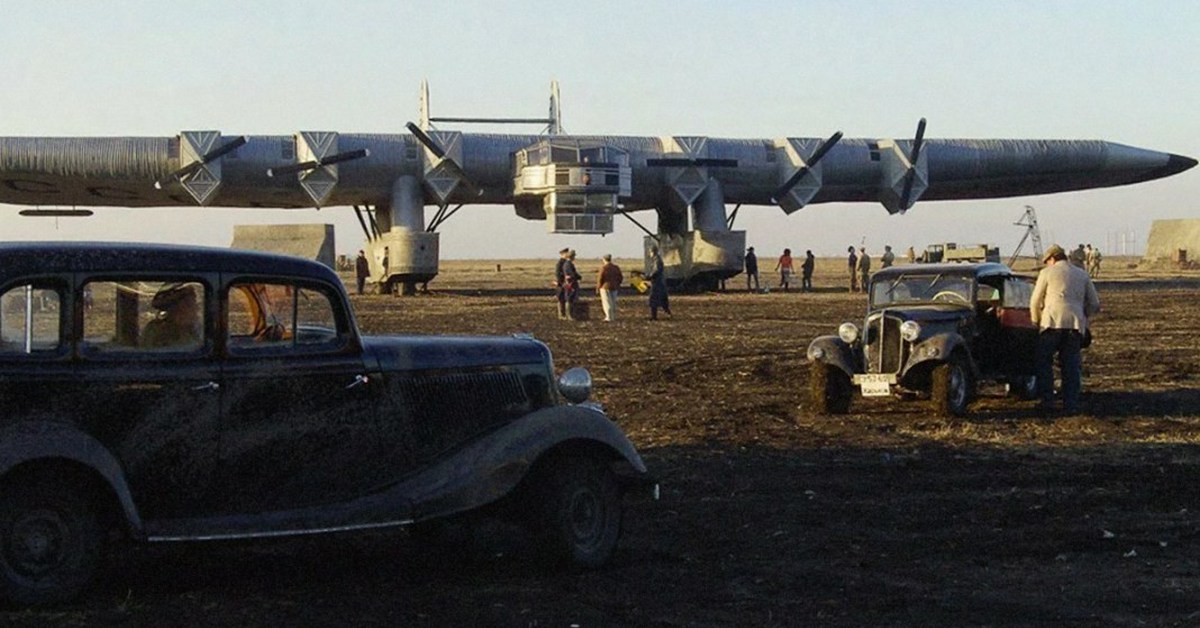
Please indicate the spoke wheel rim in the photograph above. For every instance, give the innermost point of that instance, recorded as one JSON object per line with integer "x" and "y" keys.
{"x": 37, "y": 543}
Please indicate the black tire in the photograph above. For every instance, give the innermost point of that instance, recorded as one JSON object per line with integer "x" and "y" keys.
{"x": 1023, "y": 387}
{"x": 577, "y": 510}
{"x": 51, "y": 541}
{"x": 829, "y": 389}
{"x": 952, "y": 388}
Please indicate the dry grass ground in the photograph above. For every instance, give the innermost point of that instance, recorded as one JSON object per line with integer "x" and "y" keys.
{"x": 772, "y": 515}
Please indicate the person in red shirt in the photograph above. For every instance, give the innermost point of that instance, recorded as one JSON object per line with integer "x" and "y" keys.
{"x": 784, "y": 266}
{"x": 607, "y": 284}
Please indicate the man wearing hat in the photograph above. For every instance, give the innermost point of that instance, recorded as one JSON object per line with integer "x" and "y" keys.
{"x": 177, "y": 323}
{"x": 607, "y": 283}
{"x": 1063, "y": 300}
{"x": 751, "y": 269}
{"x": 560, "y": 282}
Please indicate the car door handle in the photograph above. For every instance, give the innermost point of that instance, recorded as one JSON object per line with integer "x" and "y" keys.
{"x": 207, "y": 386}
{"x": 358, "y": 381}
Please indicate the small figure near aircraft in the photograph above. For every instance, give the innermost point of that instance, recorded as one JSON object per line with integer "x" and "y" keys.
{"x": 404, "y": 186}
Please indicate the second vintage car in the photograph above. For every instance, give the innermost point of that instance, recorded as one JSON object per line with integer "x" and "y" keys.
{"x": 933, "y": 331}
{"x": 187, "y": 394}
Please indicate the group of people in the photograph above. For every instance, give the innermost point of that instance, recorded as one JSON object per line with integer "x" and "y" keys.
{"x": 608, "y": 284}
{"x": 859, "y": 265}
{"x": 1087, "y": 258}
{"x": 785, "y": 267}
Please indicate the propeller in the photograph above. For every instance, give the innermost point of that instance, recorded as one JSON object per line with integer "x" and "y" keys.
{"x": 447, "y": 163}
{"x": 314, "y": 164}
{"x": 905, "y": 201}
{"x": 817, "y": 155}
{"x": 209, "y": 157}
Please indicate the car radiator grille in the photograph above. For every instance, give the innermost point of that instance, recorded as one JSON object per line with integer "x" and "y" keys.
{"x": 889, "y": 351}
{"x": 450, "y": 409}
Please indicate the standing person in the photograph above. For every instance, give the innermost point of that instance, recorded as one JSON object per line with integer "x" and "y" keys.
{"x": 571, "y": 276}
{"x": 911, "y": 255}
{"x": 607, "y": 283}
{"x": 751, "y": 269}
{"x": 864, "y": 268}
{"x": 888, "y": 258}
{"x": 560, "y": 283}
{"x": 1094, "y": 266}
{"x": 362, "y": 270}
{"x": 852, "y": 262}
{"x": 658, "y": 285}
{"x": 1063, "y": 300}
{"x": 386, "y": 284}
{"x": 1078, "y": 257}
{"x": 807, "y": 269}
{"x": 785, "y": 268}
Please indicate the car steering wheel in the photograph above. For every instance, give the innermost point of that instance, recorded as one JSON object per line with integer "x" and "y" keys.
{"x": 951, "y": 296}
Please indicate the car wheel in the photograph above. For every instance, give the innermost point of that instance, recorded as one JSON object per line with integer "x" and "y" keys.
{"x": 1024, "y": 387}
{"x": 50, "y": 543}
{"x": 829, "y": 389}
{"x": 951, "y": 393}
{"x": 577, "y": 510}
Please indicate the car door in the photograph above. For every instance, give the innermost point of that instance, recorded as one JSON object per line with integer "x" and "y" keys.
{"x": 35, "y": 354}
{"x": 298, "y": 420}
{"x": 1019, "y": 334}
{"x": 154, "y": 405}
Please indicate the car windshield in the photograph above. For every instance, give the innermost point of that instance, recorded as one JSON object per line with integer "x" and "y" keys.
{"x": 909, "y": 288}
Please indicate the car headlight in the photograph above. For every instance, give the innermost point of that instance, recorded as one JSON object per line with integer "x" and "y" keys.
{"x": 848, "y": 332}
{"x": 909, "y": 330}
{"x": 575, "y": 384}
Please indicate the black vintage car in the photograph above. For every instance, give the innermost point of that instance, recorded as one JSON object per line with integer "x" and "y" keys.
{"x": 184, "y": 393}
{"x": 932, "y": 330}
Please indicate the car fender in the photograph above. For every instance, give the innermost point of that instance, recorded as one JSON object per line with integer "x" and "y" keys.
{"x": 835, "y": 352}
{"x": 32, "y": 441}
{"x": 936, "y": 349}
{"x": 492, "y": 466}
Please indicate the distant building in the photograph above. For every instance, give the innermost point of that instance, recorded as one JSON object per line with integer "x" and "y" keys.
{"x": 1173, "y": 241}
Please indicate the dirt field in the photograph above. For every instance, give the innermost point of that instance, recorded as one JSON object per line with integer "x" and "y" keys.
{"x": 769, "y": 514}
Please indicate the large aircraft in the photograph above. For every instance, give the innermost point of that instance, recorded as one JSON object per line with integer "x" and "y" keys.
{"x": 404, "y": 186}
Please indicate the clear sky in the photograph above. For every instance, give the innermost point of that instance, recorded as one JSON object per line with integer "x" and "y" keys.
{"x": 1122, "y": 71}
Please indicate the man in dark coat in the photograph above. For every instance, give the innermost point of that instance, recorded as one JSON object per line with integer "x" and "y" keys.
{"x": 658, "y": 285}
{"x": 807, "y": 268}
{"x": 852, "y": 260}
{"x": 751, "y": 269}
{"x": 560, "y": 282}
{"x": 362, "y": 270}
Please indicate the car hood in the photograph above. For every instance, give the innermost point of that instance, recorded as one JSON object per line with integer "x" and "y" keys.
{"x": 438, "y": 352}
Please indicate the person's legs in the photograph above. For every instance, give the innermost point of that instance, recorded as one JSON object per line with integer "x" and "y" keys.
{"x": 1070, "y": 360}
{"x": 606, "y": 302}
{"x": 562, "y": 303}
{"x": 1047, "y": 345}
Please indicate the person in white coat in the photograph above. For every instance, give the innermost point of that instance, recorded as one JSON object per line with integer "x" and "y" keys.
{"x": 1064, "y": 299}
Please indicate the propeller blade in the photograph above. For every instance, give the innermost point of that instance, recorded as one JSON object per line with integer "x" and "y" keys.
{"x": 292, "y": 168}
{"x": 346, "y": 156}
{"x": 313, "y": 165}
{"x": 905, "y": 202}
{"x": 424, "y": 138}
{"x": 207, "y": 158}
{"x": 817, "y": 155}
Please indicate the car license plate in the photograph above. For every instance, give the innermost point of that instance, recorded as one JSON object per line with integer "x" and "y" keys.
{"x": 875, "y": 384}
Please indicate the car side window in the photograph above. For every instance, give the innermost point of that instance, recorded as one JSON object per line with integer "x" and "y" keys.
{"x": 30, "y": 320}
{"x": 143, "y": 316}
{"x": 1017, "y": 292}
{"x": 267, "y": 316}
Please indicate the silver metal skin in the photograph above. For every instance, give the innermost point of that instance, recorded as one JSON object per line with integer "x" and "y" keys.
{"x": 686, "y": 179}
